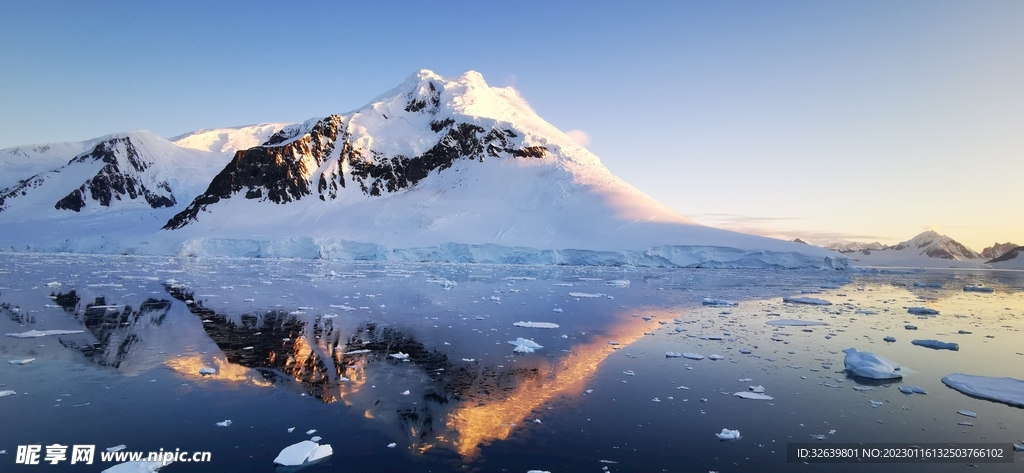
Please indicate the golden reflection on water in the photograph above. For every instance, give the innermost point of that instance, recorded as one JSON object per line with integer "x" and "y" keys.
{"x": 479, "y": 422}
{"x": 226, "y": 371}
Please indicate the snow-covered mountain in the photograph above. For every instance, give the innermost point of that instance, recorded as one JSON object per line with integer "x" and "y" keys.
{"x": 998, "y": 249}
{"x": 844, "y": 246}
{"x": 437, "y": 169}
{"x": 934, "y": 245}
{"x": 928, "y": 249}
{"x": 1013, "y": 259}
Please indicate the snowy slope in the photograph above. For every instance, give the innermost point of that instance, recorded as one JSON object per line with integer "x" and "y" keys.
{"x": 449, "y": 169}
{"x": 228, "y": 140}
{"x": 845, "y": 246}
{"x": 998, "y": 249}
{"x": 22, "y": 162}
{"x": 928, "y": 249}
{"x": 1013, "y": 259}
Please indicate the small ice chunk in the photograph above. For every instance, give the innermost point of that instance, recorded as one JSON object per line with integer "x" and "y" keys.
{"x": 756, "y": 389}
{"x": 207, "y": 370}
{"x": 922, "y": 311}
{"x": 137, "y": 467}
{"x": 870, "y": 365}
{"x": 715, "y": 357}
{"x": 7, "y": 393}
{"x": 1018, "y": 448}
{"x": 523, "y": 345}
{"x": 291, "y": 429}
{"x": 863, "y": 388}
{"x": 310, "y": 431}
{"x": 535, "y": 324}
{"x": 618, "y": 283}
{"x": 876, "y": 403}
{"x": 890, "y": 338}
{"x": 584, "y": 295}
{"x": 302, "y": 452}
{"x": 556, "y": 309}
{"x": 22, "y": 362}
{"x": 117, "y": 448}
{"x": 42, "y": 333}
{"x": 806, "y": 300}
{"x": 936, "y": 344}
{"x": 910, "y": 327}
{"x": 57, "y": 284}
{"x": 629, "y": 373}
{"x": 710, "y": 301}
{"x": 912, "y": 390}
{"x": 970, "y": 288}
{"x": 225, "y": 423}
{"x": 745, "y": 351}
{"x": 754, "y": 396}
{"x": 795, "y": 322}
{"x": 406, "y": 392}
{"x": 315, "y": 438}
{"x": 968, "y": 413}
{"x": 1006, "y": 390}
{"x": 818, "y": 436}
{"x": 968, "y": 424}
{"x": 392, "y": 445}
{"x": 693, "y": 356}
{"x": 672, "y": 354}
{"x": 400, "y": 356}
{"x": 727, "y": 434}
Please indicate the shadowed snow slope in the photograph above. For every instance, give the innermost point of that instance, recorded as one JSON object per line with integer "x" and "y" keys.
{"x": 437, "y": 169}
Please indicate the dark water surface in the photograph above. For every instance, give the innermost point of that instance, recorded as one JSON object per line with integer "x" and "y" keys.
{"x": 309, "y": 344}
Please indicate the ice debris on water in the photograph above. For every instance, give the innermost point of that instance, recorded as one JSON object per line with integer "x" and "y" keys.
{"x": 968, "y": 413}
{"x": 870, "y": 365}
{"x": 806, "y": 300}
{"x": 1006, "y": 390}
{"x": 727, "y": 434}
{"x": 1018, "y": 448}
{"x": 315, "y": 438}
{"x": 936, "y": 344}
{"x": 42, "y": 333}
{"x": 7, "y": 393}
{"x": 117, "y": 448}
{"x": 715, "y": 357}
{"x": 137, "y": 467}
{"x": 207, "y": 370}
{"x": 754, "y": 396}
{"x": 890, "y": 338}
{"x": 22, "y": 362}
{"x": 301, "y": 453}
{"x": 693, "y": 356}
{"x": 910, "y": 327}
{"x": 535, "y": 324}
{"x": 922, "y": 311}
{"x": 400, "y": 356}
{"x": 672, "y": 354}
{"x": 912, "y": 390}
{"x": 225, "y": 423}
{"x": 795, "y": 322}
{"x": 970, "y": 288}
{"x": 710, "y": 301}
{"x": 618, "y": 283}
{"x": 291, "y": 429}
{"x": 523, "y": 345}
{"x": 310, "y": 431}
{"x": 392, "y": 445}
{"x": 876, "y": 403}
{"x": 756, "y": 389}
{"x": 818, "y": 436}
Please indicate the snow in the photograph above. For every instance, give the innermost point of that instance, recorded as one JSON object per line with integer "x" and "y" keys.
{"x": 1006, "y": 390}
{"x": 870, "y": 365}
{"x": 806, "y": 300}
{"x": 936, "y": 344}
{"x": 42, "y": 333}
{"x": 727, "y": 434}
{"x": 535, "y": 324}
{"x": 227, "y": 141}
{"x": 795, "y": 322}
{"x": 137, "y": 467}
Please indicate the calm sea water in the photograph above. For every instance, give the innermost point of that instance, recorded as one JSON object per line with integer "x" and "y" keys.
{"x": 311, "y": 345}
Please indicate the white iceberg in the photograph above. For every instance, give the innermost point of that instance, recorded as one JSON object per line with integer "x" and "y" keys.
{"x": 716, "y": 357}
{"x": 524, "y": 345}
{"x": 535, "y": 324}
{"x": 795, "y": 322}
{"x": 303, "y": 452}
{"x": 756, "y": 389}
{"x": 136, "y": 467}
{"x": 755, "y": 396}
{"x": 870, "y": 365}
{"x": 585, "y": 295}
{"x": 912, "y": 390}
{"x": 1006, "y": 390}
{"x": 727, "y": 434}
{"x": 42, "y": 333}
{"x": 806, "y": 300}
{"x": 7, "y": 393}
{"x": 225, "y": 423}
{"x": 22, "y": 362}
{"x": 936, "y": 344}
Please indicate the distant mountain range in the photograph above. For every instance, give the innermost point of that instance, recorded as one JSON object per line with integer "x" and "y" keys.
{"x": 436, "y": 169}
{"x": 929, "y": 245}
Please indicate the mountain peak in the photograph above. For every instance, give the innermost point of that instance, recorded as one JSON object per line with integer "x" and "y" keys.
{"x": 935, "y": 245}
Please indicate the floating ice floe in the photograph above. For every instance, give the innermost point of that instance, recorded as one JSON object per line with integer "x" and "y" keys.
{"x": 207, "y": 370}
{"x": 806, "y": 300}
{"x": 710, "y": 301}
{"x": 745, "y": 351}
{"x": 42, "y": 333}
{"x": 727, "y": 434}
{"x": 912, "y": 390}
{"x": 922, "y": 311}
{"x": 585, "y": 295}
{"x": 225, "y": 423}
{"x": 934, "y": 285}
{"x": 137, "y": 467}
{"x": 53, "y": 284}
{"x": 1006, "y": 390}
{"x": 754, "y": 396}
{"x": 756, "y": 389}
{"x": 910, "y": 327}
{"x": 876, "y": 403}
{"x": 693, "y": 356}
{"x": 524, "y": 345}
{"x": 22, "y": 362}
{"x": 984, "y": 289}
{"x": 301, "y": 453}
{"x": 310, "y": 431}
{"x": 392, "y": 445}
{"x": 117, "y": 448}
{"x": 968, "y": 413}
{"x": 795, "y": 322}
{"x": 535, "y": 324}
{"x": 673, "y": 354}
{"x": 715, "y": 357}
{"x": 400, "y": 356}
{"x": 538, "y": 471}
{"x": 1018, "y": 448}
{"x": 863, "y": 388}
{"x": 935, "y": 344}
{"x": 7, "y": 393}
{"x": 618, "y": 283}
{"x": 870, "y": 365}
{"x": 357, "y": 352}
{"x": 889, "y": 339}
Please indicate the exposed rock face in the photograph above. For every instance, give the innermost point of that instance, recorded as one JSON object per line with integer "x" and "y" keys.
{"x": 1009, "y": 255}
{"x": 292, "y": 165}
{"x": 997, "y": 250}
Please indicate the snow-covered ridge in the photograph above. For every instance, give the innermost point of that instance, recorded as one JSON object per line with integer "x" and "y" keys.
{"x": 228, "y": 141}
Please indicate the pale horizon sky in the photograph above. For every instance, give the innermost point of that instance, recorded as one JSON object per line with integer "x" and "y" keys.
{"x": 867, "y": 121}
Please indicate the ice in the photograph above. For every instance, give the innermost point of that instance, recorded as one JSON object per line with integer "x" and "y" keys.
{"x": 1018, "y": 448}
{"x": 303, "y": 452}
{"x": 207, "y": 370}
{"x": 935, "y": 285}
{"x": 406, "y": 392}
{"x": 889, "y": 338}
{"x": 870, "y": 365}
{"x": 795, "y": 322}
{"x": 225, "y": 423}
{"x": 42, "y": 333}
{"x": 618, "y": 283}
{"x": 400, "y": 356}
{"x": 710, "y": 301}
{"x": 136, "y": 467}
{"x": 970, "y": 288}
{"x": 754, "y": 396}
{"x": 535, "y": 324}
{"x": 935, "y": 344}
{"x": 22, "y": 362}
{"x": 745, "y": 351}
{"x": 392, "y": 445}
{"x": 910, "y": 327}
{"x": 524, "y": 345}
{"x": 863, "y": 388}
{"x": 585, "y": 295}
{"x": 1006, "y": 390}
{"x": 715, "y": 357}
{"x": 756, "y": 389}
{"x": 922, "y": 311}
{"x": 912, "y": 390}
{"x": 117, "y": 448}
{"x": 538, "y": 471}
{"x": 693, "y": 356}
{"x": 806, "y": 300}
{"x": 673, "y": 354}
{"x": 291, "y": 429}
{"x": 310, "y": 431}
{"x": 7, "y": 393}
{"x": 315, "y": 438}
{"x": 968, "y": 413}
{"x": 876, "y": 403}
{"x": 727, "y": 434}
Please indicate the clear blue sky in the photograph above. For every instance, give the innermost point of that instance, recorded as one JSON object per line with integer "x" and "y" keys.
{"x": 864, "y": 120}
